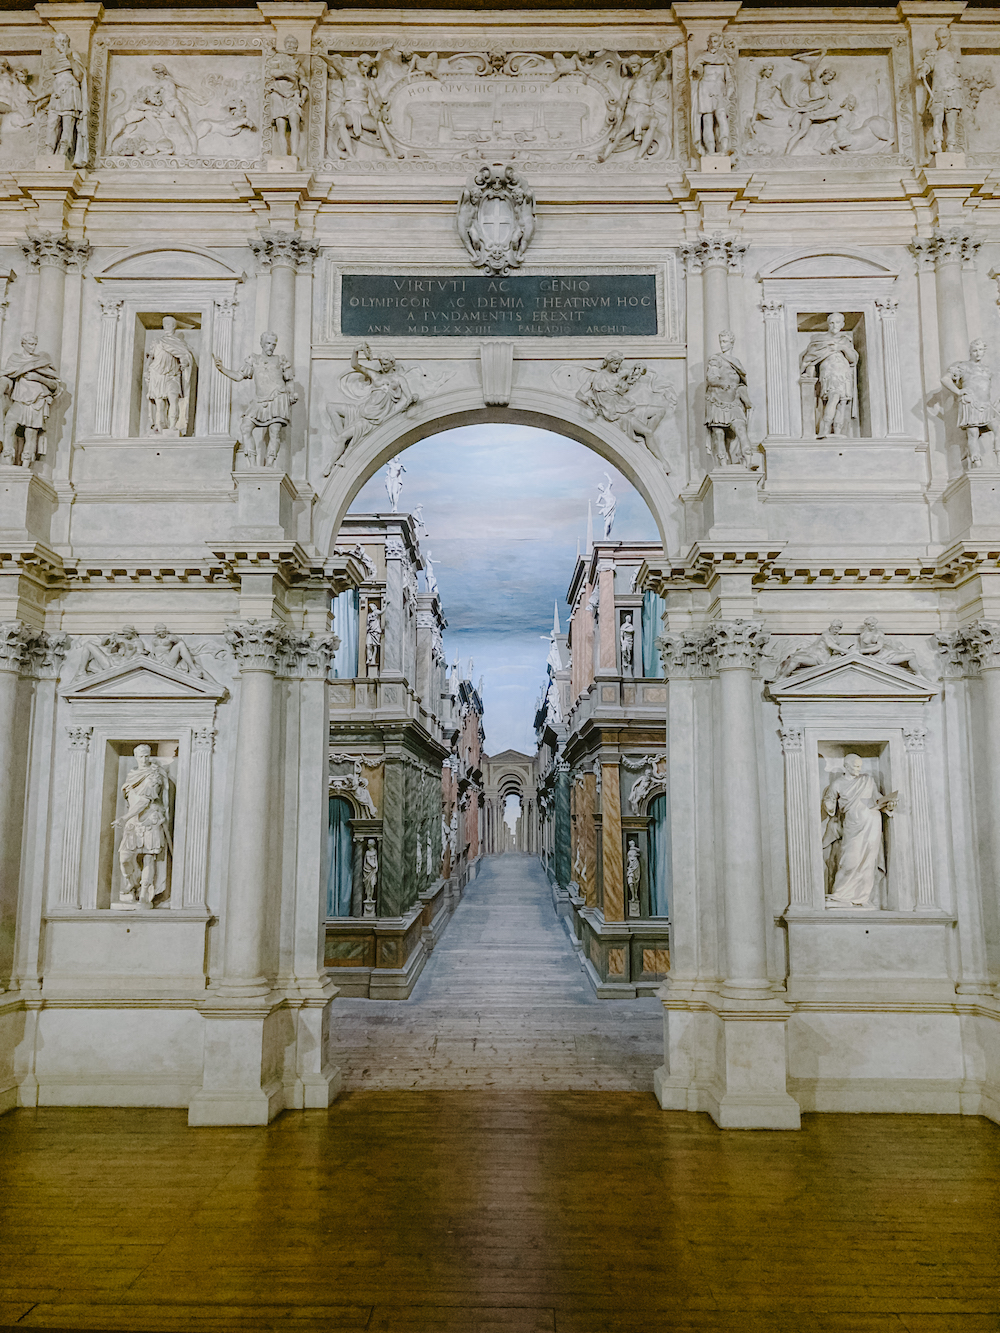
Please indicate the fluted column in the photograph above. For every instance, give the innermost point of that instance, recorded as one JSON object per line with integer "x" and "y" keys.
{"x": 104, "y": 390}
{"x": 198, "y": 818}
{"x": 283, "y": 253}
{"x": 220, "y": 396}
{"x": 948, "y": 250}
{"x": 737, "y": 647}
{"x": 797, "y": 818}
{"x": 887, "y": 310}
{"x": 714, "y": 256}
{"x": 982, "y": 643}
{"x": 78, "y": 743}
{"x": 16, "y": 642}
{"x": 775, "y": 367}
{"x": 256, "y": 646}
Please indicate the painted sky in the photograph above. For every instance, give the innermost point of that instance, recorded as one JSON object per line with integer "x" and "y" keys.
{"x": 504, "y": 507}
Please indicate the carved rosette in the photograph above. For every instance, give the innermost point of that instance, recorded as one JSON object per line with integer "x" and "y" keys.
{"x": 273, "y": 248}
{"x": 737, "y": 645}
{"x": 258, "y": 645}
{"x": 684, "y": 655}
{"x": 714, "y": 251}
{"x": 54, "y": 249}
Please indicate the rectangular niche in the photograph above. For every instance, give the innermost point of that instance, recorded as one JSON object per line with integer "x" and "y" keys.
{"x": 118, "y": 761}
{"x": 807, "y": 325}
{"x": 148, "y": 329}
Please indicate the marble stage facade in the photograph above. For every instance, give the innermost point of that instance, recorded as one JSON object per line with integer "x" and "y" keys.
{"x": 747, "y": 256}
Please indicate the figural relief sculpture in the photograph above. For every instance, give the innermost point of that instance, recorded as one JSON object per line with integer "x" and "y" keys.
{"x": 832, "y": 361}
{"x": 728, "y": 408}
{"x": 601, "y": 107}
{"x": 145, "y": 831}
{"x": 380, "y": 389}
{"x": 853, "y": 841}
{"x": 287, "y": 91}
{"x": 28, "y": 383}
{"x": 496, "y": 219}
{"x": 714, "y": 83}
{"x": 870, "y": 642}
{"x": 65, "y": 102}
{"x": 816, "y": 653}
{"x": 972, "y": 384}
{"x": 270, "y": 408}
{"x": 633, "y": 398}
{"x": 127, "y": 644}
{"x": 15, "y": 95}
{"x": 801, "y": 108}
{"x": 168, "y": 380}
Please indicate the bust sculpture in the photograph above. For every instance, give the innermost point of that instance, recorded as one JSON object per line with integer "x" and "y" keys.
{"x": 30, "y": 382}
{"x": 972, "y": 384}
{"x": 271, "y": 406}
{"x": 168, "y": 377}
{"x": 853, "y": 845}
{"x": 832, "y": 356}
{"x": 145, "y": 829}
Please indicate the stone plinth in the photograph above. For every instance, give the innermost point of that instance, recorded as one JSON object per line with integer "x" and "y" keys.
{"x": 972, "y": 503}
{"x": 27, "y": 503}
{"x": 265, "y": 501}
{"x": 730, "y": 506}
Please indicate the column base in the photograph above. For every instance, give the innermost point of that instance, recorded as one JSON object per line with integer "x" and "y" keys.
{"x": 726, "y": 1057}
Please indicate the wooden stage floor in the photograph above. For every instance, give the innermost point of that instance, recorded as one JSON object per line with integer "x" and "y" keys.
{"x": 486, "y": 1212}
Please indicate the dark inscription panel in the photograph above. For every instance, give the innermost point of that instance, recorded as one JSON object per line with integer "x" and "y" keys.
{"x": 551, "y": 307}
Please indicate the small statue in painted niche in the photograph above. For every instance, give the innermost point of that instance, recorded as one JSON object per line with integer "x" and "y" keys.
{"x": 287, "y": 93}
{"x": 627, "y": 640}
{"x": 373, "y": 635}
{"x": 29, "y": 381}
{"x": 853, "y": 844}
{"x": 369, "y": 876}
{"x": 607, "y": 504}
{"x": 972, "y": 384}
{"x": 728, "y": 408}
{"x": 145, "y": 829}
{"x": 169, "y": 381}
{"x": 710, "y": 99}
{"x": 271, "y": 406}
{"x": 833, "y": 355}
{"x": 632, "y": 877}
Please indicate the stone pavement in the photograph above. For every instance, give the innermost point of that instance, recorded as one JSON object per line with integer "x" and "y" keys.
{"x": 501, "y": 1003}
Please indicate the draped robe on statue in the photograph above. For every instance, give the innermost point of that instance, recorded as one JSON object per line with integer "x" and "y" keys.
{"x": 854, "y": 821}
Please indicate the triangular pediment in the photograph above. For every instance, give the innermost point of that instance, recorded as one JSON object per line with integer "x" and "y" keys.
{"x": 852, "y": 677}
{"x": 143, "y": 679}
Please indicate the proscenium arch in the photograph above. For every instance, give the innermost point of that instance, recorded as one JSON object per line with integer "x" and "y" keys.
{"x": 545, "y": 411}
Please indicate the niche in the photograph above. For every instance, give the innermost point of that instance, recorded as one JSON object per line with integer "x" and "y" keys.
{"x": 165, "y": 418}
{"x": 857, "y": 422}
{"x": 119, "y": 762}
{"x": 875, "y": 763}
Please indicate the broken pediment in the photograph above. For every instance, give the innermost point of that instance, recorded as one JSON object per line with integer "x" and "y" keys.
{"x": 852, "y": 676}
{"x": 143, "y": 678}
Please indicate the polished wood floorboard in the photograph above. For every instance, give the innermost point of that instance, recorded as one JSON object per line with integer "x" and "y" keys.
{"x": 486, "y": 1212}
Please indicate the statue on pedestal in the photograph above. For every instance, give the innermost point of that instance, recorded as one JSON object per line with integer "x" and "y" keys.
{"x": 940, "y": 72}
{"x": 853, "y": 846}
{"x": 287, "y": 93}
{"x": 710, "y": 98}
{"x": 632, "y": 876}
{"x": 271, "y": 406}
{"x": 369, "y": 877}
{"x": 728, "y": 407}
{"x": 972, "y": 384}
{"x": 30, "y": 382}
{"x": 168, "y": 377}
{"x": 65, "y": 105}
{"x": 627, "y": 640}
{"x": 833, "y": 355}
{"x": 145, "y": 829}
{"x": 373, "y": 635}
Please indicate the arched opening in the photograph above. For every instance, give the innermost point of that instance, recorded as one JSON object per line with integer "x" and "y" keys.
{"x": 512, "y": 817}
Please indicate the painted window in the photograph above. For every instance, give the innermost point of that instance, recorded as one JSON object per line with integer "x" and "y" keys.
{"x": 341, "y": 881}
{"x": 659, "y": 857}
{"x": 345, "y": 626}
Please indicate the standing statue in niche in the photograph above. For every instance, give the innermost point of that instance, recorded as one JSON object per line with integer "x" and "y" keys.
{"x": 833, "y": 355}
{"x": 30, "y": 383}
{"x": 287, "y": 93}
{"x": 271, "y": 406}
{"x": 727, "y": 408}
{"x": 65, "y": 105}
{"x": 632, "y": 876}
{"x": 369, "y": 877}
{"x": 941, "y": 74}
{"x": 853, "y": 845}
{"x": 627, "y": 639}
{"x": 972, "y": 384}
{"x": 168, "y": 377}
{"x": 710, "y": 120}
{"x": 145, "y": 829}
{"x": 373, "y": 635}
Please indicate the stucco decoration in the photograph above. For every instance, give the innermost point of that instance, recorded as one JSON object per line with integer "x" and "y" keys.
{"x": 168, "y": 382}
{"x": 973, "y": 385}
{"x": 287, "y": 91}
{"x": 22, "y": 124}
{"x": 553, "y": 106}
{"x": 853, "y": 840}
{"x": 28, "y": 384}
{"x": 631, "y": 397}
{"x": 145, "y": 832}
{"x": 496, "y": 218}
{"x": 713, "y": 84}
{"x": 379, "y": 389}
{"x": 728, "y": 408}
{"x": 948, "y": 93}
{"x": 271, "y": 404}
{"x": 95, "y": 656}
{"x": 64, "y": 100}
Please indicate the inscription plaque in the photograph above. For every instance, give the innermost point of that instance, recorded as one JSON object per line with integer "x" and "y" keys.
{"x": 595, "y": 305}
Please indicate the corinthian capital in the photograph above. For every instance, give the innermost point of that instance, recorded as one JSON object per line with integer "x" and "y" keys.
{"x": 258, "y": 644}
{"x": 17, "y": 641}
{"x": 714, "y": 251}
{"x": 310, "y": 655}
{"x": 952, "y": 245}
{"x": 273, "y": 247}
{"x": 981, "y": 643}
{"x": 737, "y": 644}
{"x": 683, "y": 654}
{"x": 54, "y": 248}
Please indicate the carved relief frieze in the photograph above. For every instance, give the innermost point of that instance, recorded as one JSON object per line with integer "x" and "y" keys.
{"x": 179, "y": 108}
{"x": 958, "y": 101}
{"x": 430, "y": 108}
{"x": 846, "y": 104}
{"x": 23, "y": 120}
{"x": 628, "y": 395}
